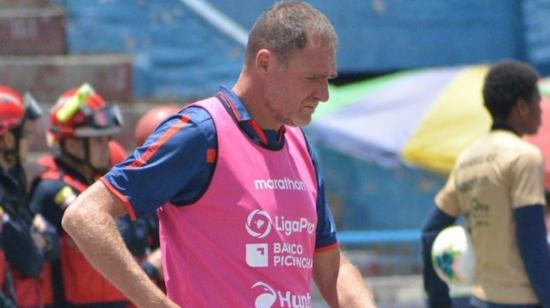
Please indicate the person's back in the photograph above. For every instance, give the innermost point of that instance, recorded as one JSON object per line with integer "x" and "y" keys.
{"x": 497, "y": 185}
{"x": 484, "y": 174}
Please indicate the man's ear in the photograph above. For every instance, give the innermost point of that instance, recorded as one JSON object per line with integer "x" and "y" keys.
{"x": 522, "y": 106}
{"x": 263, "y": 58}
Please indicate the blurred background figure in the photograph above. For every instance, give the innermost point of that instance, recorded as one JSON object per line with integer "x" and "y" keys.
{"x": 151, "y": 120}
{"x": 81, "y": 127}
{"x": 497, "y": 185}
{"x": 26, "y": 242}
{"x": 117, "y": 153}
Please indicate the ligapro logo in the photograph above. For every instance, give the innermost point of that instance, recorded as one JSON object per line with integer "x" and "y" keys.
{"x": 258, "y": 224}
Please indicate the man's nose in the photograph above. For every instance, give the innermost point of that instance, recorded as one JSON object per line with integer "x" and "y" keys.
{"x": 321, "y": 92}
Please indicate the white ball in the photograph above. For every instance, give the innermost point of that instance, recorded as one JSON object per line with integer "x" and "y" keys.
{"x": 453, "y": 256}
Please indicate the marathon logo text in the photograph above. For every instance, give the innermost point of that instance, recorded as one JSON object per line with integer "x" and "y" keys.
{"x": 279, "y": 184}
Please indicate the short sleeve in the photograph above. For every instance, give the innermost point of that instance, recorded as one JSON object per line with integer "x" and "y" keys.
{"x": 527, "y": 185}
{"x": 173, "y": 161}
{"x": 447, "y": 198}
{"x": 326, "y": 228}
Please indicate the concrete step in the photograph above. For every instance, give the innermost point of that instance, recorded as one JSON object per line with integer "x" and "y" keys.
{"x": 23, "y": 3}
{"x": 32, "y": 31}
{"x": 47, "y": 77}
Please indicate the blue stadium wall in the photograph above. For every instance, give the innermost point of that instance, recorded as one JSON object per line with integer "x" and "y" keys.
{"x": 180, "y": 56}
{"x": 176, "y": 55}
{"x": 365, "y": 195}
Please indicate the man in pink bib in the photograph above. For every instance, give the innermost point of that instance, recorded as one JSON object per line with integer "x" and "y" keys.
{"x": 241, "y": 203}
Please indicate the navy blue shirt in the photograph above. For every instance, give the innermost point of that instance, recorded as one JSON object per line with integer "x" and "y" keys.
{"x": 15, "y": 237}
{"x": 176, "y": 163}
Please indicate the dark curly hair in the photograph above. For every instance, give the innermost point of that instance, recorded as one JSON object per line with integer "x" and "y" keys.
{"x": 506, "y": 82}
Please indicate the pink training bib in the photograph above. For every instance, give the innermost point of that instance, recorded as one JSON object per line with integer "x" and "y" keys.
{"x": 249, "y": 241}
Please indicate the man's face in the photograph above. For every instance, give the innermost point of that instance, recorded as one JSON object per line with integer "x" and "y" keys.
{"x": 99, "y": 155}
{"x": 295, "y": 89}
{"x": 8, "y": 141}
{"x": 99, "y": 152}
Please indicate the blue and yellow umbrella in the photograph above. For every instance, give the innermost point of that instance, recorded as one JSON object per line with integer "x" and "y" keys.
{"x": 422, "y": 118}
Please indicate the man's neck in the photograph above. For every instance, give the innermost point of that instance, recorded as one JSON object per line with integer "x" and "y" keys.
{"x": 82, "y": 170}
{"x": 254, "y": 100}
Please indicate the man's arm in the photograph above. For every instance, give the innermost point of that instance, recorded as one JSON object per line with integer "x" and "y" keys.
{"x": 436, "y": 289}
{"x": 533, "y": 249}
{"x": 90, "y": 221}
{"x": 339, "y": 282}
{"x": 19, "y": 248}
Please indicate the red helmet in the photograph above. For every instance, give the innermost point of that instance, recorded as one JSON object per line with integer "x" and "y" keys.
{"x": 118, "y": 153}
{"x": 84, "y": 113}
{"x": 14, "y": 109}
{"x": 150, "y": 120}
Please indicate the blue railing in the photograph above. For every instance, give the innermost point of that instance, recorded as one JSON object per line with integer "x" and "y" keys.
{"x": 383, "y": 252}
{"x": 371, "y": 237}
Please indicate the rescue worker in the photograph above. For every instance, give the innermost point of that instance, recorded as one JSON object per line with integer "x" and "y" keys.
{"x": 27, "y": 242}
{"x": 81, "y": 125}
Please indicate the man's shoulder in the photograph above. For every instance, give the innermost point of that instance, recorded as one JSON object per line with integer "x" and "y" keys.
{"x": 191, "y": 124}
{"x": 197, "y": 115}
{"x": 503, "y": 145}
{"x": 516, "y": 148}
{"x": 48, "y": 182}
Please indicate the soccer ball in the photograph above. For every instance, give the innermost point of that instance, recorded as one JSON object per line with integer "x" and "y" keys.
{"x": 453, "y": 256}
